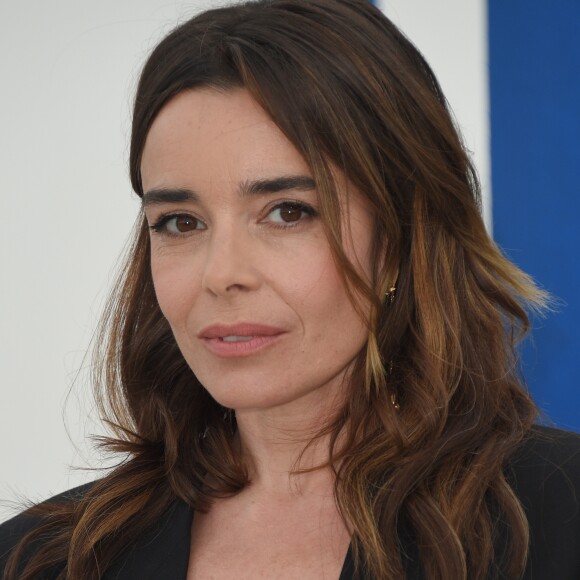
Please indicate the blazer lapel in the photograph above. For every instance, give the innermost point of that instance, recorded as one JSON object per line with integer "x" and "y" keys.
{"x": 160, "y": 554}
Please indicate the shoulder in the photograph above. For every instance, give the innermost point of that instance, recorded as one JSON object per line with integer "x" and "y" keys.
{"x": 548, "y": 460}
{"x": 545, "y": 475}
{"x": 14, "y": 530}
{"x": 158, "y": 552}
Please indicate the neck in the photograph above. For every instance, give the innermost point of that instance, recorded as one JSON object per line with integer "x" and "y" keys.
{"x": 275, "y": 445}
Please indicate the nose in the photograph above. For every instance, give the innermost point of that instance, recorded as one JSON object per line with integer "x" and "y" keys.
{"x": 231, "y": 262}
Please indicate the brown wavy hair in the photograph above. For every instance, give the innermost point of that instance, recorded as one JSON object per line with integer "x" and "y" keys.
{"x": 347, "y": 89}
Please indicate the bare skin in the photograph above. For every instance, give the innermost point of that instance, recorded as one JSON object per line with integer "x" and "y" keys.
{"x": 257, "y": 534}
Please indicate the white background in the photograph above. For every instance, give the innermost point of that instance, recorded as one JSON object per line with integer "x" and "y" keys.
{"x": 68, "y": 69}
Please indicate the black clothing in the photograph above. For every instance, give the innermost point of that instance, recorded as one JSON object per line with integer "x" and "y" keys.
{"x": 545, "y": 475}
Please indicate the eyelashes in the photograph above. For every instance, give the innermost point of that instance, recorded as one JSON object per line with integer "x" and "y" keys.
{"x": 285, "y": 215}
{"x": 291, "y": 213}
{"x": 176, "y": 224}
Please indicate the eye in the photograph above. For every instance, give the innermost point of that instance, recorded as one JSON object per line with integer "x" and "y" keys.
{"x": 290, "y": 212}
{"x": 177, "y": 224}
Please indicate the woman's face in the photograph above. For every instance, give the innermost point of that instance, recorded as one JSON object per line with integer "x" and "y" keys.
{"x": 242, "y": 269}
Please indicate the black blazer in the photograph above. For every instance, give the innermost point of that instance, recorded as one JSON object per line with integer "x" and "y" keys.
{"x": 545, "y": 475}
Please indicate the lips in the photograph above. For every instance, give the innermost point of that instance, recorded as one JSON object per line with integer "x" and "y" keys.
{"x": 240, "y": 330}
{"x": 239, "y": 340}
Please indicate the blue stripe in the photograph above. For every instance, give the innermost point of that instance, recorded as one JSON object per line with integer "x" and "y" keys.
{"x": 535, "y": 127}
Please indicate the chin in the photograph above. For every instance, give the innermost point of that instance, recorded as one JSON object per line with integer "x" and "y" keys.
{"x": 245, "y": 401}
{"x": 241, "y": 397}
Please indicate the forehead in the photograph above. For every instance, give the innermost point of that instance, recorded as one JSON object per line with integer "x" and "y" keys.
{"x": 214, "y": 136}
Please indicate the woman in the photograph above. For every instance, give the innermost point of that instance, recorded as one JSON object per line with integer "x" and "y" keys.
{"x": 309, "y": 362}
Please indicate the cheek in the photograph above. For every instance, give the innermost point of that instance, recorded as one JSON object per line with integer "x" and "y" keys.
{"x": 176, "y": 288}
{"x": 324, "y": 306}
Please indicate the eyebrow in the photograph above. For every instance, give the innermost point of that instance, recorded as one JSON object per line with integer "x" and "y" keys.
{"x": 277, "y": 184}
{"x": 247, "y": 188}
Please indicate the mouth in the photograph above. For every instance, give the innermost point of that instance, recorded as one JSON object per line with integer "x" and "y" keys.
{"x": 241, "y": 330}
{"x": 239, "y": 340}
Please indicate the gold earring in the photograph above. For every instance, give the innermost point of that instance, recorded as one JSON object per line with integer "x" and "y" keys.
{"x": 391, "y": 294}
{"x": 393, "y": 396}
{"x": 395, "y": 403}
